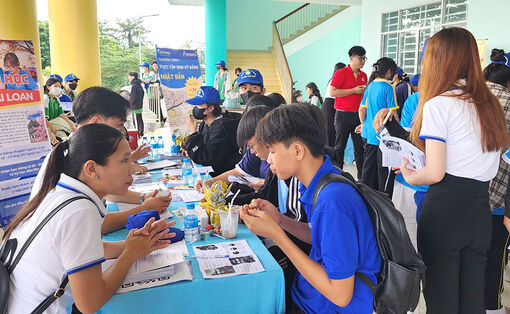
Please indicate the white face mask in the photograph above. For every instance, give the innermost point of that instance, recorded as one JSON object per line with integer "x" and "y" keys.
{"x": 56, "y": 91}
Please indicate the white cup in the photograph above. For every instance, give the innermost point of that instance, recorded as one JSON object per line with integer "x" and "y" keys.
{"x": 229, "y": 221}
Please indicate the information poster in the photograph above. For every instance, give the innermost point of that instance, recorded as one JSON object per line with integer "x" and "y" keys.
{"x": 23, "y": 136}
{"x": 180, "y": 76}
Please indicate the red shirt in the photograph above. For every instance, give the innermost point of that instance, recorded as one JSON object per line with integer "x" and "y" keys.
{"x": 345, "y": 79}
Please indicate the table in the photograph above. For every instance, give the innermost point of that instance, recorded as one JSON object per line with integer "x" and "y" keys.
{"x": 252, "y": 293}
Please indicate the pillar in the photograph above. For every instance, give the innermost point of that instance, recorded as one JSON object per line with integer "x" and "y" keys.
{"x": 74, "y": 40}
{"x": 215, "y": 36}
{"x": 18, "y": 21}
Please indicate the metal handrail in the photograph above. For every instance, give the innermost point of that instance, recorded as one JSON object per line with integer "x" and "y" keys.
{"x": 289, "y": 14}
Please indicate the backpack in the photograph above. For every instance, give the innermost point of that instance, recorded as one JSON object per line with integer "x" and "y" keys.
{"x": 8, "y": 263}
{"x": 402, "y": 269}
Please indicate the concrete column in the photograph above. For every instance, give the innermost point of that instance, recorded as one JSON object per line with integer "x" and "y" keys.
{"x": 215, "y": 36}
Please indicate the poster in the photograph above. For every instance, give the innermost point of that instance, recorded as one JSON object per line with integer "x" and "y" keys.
{"x": 180, "y": 76}
{"x": 23, "y": 136}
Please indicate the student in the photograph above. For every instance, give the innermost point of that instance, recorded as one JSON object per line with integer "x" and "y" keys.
{"x": 212, "y": 142}
{"x": 402, "y": 89}
{"x": 250, "y": 83}
{"x": 314, "y": 94}
{"x": 99, "y": 105}
{"x": 93, "y": 163}
{"x": 497, "y": 75}
{"x": 12, "y": 67}
{"x": 339, "y": 228}
{"x": 457, "y": 117}
{"x": 53, "y": 109}
{"x": 237, "y": 71}
{"x": 71, "y": 81}
{"x": 277, "y": 98}
{"x": 136, "y": 98}
{"x": 328, "y": 108}
{"x": 347, "y": 86}
{"x": 222, "y": 81}
{"x": 147, "y": 76}
{"x": 379, "y": 94}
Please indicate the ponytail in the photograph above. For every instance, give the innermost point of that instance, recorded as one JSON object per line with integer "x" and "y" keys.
{"x": 381, "y": 67}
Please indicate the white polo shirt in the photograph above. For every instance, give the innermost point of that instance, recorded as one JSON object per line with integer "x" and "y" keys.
{"x": 455, "y": 122}
{"x": 39, "y": 178}
{"x": 68, "y": 243}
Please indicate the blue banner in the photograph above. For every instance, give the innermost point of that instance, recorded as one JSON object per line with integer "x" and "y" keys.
{"x": 177, "y": 66}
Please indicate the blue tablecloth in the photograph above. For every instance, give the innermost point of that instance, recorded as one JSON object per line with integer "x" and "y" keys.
{"x": 252, "y": 293}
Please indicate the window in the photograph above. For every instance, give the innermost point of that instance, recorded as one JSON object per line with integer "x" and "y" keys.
{"x": 404, "y": 32}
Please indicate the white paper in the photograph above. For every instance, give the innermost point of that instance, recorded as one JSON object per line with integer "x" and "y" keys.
{"x": 178, "y": 171}
{"x": 142, "y": 178}
{"x": 156, "y": 260}
{"x": 160, "y": 164}
{"x": 246, "y": 180}
{"x": 393, "y": 149}
{"x": 148, "y": 187}
{"x": 165, "y": 215}
{"x": 187, "y": 196}
{"x": 227, "y": 259}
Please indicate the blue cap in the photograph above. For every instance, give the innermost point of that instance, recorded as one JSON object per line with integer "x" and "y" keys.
{"x": 145, "y": 64}
{"x": 71, "y": 77}
{"x": 506, "y": 62}
{"x": 250, "y": 76}
{"x": 221, "y": 62}
{"x": 414, "y": 80}
{"x": 400, "y": 71}
{"x": 56, "y": 76}
{"x": 205, "y": 94}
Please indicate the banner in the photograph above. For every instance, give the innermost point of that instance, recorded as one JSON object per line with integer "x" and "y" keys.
{"x": 24, "y": 139}
{"x": 180, "y": 77}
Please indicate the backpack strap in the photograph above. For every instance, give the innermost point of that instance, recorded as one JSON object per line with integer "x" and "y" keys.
{"x": 52, "y": 297}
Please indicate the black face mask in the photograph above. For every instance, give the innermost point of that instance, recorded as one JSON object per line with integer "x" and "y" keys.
{"x": 199, "y": 113}
{"x": 247, "y": 96}
{"x": 73, "y": 86}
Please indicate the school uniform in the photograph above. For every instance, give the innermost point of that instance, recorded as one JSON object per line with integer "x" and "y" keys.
{"x": 403, "y": 91}
{"x": 314, "y": 100}
{"x": 346, "y": 116}
{"x": 378, "y": 95}
{"x": 343, "y": 244}
{"x": 52, "y": 107}
{"x": 328, "y": 110}
{"x": 70, "y": 242}
{"x": 251, "y": 165}
{"x": 454, "y": 230}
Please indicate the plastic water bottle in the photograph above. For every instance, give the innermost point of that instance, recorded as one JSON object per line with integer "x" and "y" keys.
{"x": 161, "y": 145}
{"x": 146, "y": 143}
{"x": 154, "y": 148}
{"x": 187, "y": 172}
{"x": 190, "y": 223}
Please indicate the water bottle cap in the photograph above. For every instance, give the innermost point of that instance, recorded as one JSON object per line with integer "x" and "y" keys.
{"x": 185, "y": 160}
{"x": 190, "y": 205}
{"x": 152, "y": 137}
{"x": 161, "y": 137}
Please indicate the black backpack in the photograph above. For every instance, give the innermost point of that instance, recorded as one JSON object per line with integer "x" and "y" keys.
{"x": 8, "y": 262}
{"x": 398, "y": 283}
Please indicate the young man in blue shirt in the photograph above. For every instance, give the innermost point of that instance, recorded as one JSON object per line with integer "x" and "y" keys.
{"x": 339, "y": 227}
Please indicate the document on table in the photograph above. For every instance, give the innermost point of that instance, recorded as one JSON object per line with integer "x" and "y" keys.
{"x": 246, "y": 180}
{"x": 148, "y": 187}
{"x": 187, "y": 195}
{"x": 178, "y": 172}
{"x": 393, "y": 149}
{"x": 227, "y": 259}
{"x": 160, "y": 164}
{"x": 142, "y": 178}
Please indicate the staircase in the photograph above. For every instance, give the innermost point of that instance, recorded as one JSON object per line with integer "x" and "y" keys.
{"x": 262, "y": 61}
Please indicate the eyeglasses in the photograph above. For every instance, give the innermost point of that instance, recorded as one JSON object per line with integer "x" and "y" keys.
{"x": 362, "y": 58}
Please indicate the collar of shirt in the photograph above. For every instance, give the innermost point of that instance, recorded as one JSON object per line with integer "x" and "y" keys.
{"x": 307, "y": 192}
{"x": 71, "y": 184}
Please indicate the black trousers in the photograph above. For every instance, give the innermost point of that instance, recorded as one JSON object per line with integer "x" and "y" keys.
{"x": 345, "y": 124}
{"x": 454, "y": 234}
{"x": 139, "y": 124}
{"x": 328, "y": 110}
{"x": 374, "y": 174}
{"x": 497, "y": 258}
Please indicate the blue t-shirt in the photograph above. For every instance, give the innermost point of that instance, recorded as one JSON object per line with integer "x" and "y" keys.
{"x": 378, "y": 95}
{"x": 343, "y": 244}
{"x": 402, "y": 93}
{"x": 253, "y": 165}
{"x": 31, "y": 85}
{"x": 408, "y": 114}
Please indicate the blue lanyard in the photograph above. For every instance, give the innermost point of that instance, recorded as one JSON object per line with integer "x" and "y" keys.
{"x": 67, "y": 187}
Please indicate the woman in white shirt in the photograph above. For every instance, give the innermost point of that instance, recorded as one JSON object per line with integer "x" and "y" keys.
{"x": 328, "y": 109}
{"x": 93, "y": 163}
{"x": 461, "y": 126}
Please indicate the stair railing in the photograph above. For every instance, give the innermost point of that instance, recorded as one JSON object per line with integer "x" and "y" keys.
{"x": 282, "y": 65}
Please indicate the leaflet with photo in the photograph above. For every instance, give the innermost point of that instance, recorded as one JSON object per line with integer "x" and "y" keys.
{"x": 393, "y": 149}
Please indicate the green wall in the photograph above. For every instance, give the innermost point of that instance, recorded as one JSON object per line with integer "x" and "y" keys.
{"x": 315, "y": 62}
{"x": 250, "y": 22}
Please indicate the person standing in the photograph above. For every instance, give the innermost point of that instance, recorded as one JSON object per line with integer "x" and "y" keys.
{"x": 222, "y": 80}
{"x": 147, "y": 76}
{"x": 136, "y": 99}
{"x": 347, "y": 86}
{"x": 328, "y": 108}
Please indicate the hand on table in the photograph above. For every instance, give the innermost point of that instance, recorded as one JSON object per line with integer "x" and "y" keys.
{"x": 159, "y": 203}
{"x": 140, "y": 152}
{"x": 379, "y": 119}
{"x": 257, "y": 185}
{"x": 268, "y": 207}
{"x": 261, "y": 223}
{"x": 138, "y": 246}
{"x": 139, "y": 169}
{"x": 200, "y": 184}
{"x": 156, "y": 224}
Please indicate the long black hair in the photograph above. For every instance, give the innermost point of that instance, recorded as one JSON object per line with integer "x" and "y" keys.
{"x": 381, "y": 67}
{"x": 495, "y": 72}
{"x": 48, "y": 83}
{"x": 315, "y": 90}
{"x": 94, "y": 142}
{"x": 338, "y": 66}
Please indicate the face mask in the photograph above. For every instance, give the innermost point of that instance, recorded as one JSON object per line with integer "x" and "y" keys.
{"x": 56, "y": 91}
{"x": 247, "y": 96}
{"x": 73, "y": 86}
{"x": 199, "y": 113}
{"x": 217, "y": 67}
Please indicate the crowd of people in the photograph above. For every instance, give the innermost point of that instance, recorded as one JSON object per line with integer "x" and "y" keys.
{"x": 457, "y": 201}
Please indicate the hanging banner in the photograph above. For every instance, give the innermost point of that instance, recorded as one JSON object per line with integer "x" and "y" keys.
{"x": 180, "y": 77}
{"x": 23, "y": 136}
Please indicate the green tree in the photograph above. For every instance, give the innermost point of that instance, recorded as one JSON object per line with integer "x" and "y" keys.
{"x": 44, "y": 38}
{"x": 129, "y": 32}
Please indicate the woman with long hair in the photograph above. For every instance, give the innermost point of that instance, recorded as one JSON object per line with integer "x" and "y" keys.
{"x": 93, "y": 163}
{"x": 315, "y": 95}
{"x": 461, "y": 127}
{"x": 328, "y": 108}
